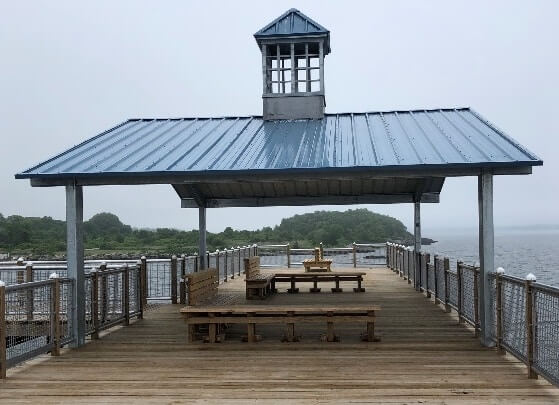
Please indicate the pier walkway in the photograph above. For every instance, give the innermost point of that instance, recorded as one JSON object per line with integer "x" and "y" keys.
{"x": 424, "y": 356}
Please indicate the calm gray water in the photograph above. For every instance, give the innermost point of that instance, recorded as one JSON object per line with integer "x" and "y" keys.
{"x": 518, "y": 251}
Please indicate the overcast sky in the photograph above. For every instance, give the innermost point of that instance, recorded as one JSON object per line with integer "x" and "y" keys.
{"x": 69, "y": 70}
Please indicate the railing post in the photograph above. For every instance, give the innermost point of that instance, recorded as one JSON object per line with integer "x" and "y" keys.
{"x": 354, "y": 246}
{"x": 95, "y": 303}
{"x": 183, "y": 265}
{"x": 196, "y": 263}
{"x": 55, "y": 308}
{"x": 446, "y": 267}
{"x": 427, "y": 258}
{"x": 239, "y": 258}
{"x": 386, "y": 253}
{"x": 225, "y": 267}
{"x": 139, "y": 292}
{"x": 102, "y": 268}
{"x": 530, "y": 278}
{"x": 3, "y": 330}
{"x": 436, "y": 277}
{"x": 217, "y": 265}
{"x": 411, "y": 265}
{"x": 476, "y": 301}
{"x": 126, "y": 295}
{"x": 405, "y": 263}
{"x": 173, "y": 279}
{"x": 28, "y": 279}
{"x": 499, "y": 309}
{"x": 233, "y": 262}
{"x": 459, "y": 288}
{"x": 144, "y": 281}
{"x": 288, "y": 255}
{"x": 417, "y": 270}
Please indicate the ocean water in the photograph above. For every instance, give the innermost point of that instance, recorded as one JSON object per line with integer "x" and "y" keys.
{"x": 518, "y": 251}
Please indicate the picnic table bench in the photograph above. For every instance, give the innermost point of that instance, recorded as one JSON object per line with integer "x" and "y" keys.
{"x": 258, "y": 285}
{"x": 316, "y": 277}
{"x": 251, "y": 315}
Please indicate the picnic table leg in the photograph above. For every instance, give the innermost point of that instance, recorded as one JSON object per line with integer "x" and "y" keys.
{"x": 315, "y": 288}
{"x": 337, "y": 289}
{"x": 359, "y": 287}
{"x": 191, "y": 330}
{"x": 273, "y": 286}
{"x": 290, "y": 329}
{"x": 190, "y": 333}
{"x": 251, "y": 330}
{"x": 370, "y": 335}
{"x": 212, "y": 332}
{"x": 293, "y": 290}
{"x": 330, "y": 336}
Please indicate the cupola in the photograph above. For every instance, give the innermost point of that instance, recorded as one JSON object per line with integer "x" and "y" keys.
{"x": 293, "y": 47}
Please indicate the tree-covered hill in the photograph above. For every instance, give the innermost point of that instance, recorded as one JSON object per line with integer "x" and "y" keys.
{"x": 105, "y": 231}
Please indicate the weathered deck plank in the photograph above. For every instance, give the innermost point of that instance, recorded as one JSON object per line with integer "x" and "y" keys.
{"x": 424, "y": 357}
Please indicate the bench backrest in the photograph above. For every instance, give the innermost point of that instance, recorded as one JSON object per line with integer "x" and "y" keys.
{"x": 202, "y": 285}
{"x": 252, "y": 267}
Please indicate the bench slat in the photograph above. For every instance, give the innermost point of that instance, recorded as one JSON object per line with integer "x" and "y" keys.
{"x": 200, "y": 320}
{"x": 243, "y": 309}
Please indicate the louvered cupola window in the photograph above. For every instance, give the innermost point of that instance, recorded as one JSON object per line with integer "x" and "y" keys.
{"x": 293, "y": 68}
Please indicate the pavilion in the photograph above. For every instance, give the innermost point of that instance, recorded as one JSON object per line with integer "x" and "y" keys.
{"x": 294, "y": 154}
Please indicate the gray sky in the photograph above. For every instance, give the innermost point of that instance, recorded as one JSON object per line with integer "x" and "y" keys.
{"x": 70, "y": 70}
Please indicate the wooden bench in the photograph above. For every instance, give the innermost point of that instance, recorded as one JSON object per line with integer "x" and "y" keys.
{"x": 251, "y": 315}
{"x": 258, "y": 285}
{"x": 201, "y": 286}
{"x": 315, "y": 278}
{"x": 318, "y": 263}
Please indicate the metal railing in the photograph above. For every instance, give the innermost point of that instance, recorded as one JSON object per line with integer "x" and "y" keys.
{"x": 34, "y": 319}
{"x": 358, "y": 255}
{"x": 35, "y": 316}
{"x": 524, "y": 317}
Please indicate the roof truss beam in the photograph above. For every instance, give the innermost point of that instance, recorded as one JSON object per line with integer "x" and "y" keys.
{"x": 302, "y": 201}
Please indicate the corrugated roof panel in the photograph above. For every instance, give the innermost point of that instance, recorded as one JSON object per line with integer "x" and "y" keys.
{"x": 441, "y": 138}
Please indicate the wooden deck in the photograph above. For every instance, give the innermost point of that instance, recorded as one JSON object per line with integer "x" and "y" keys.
{"x": 424, "y": 357}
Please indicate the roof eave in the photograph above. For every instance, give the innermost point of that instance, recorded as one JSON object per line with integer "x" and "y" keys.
{"x": 447, "y": 170}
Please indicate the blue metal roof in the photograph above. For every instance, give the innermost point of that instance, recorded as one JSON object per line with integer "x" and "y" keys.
{"x": 438, "y": 139}
{"x": 292, "y": 23}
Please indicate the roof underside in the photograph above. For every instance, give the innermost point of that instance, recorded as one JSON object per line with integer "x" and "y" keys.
{"x": 245, "y": 161}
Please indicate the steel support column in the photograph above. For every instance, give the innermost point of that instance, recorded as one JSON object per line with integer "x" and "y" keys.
{"x": 417, "y": 226}
{"x": 202, "y": 237}
{"x": 75, "y": 257}
{"x": 417, "y": 242}
{"x": 486, "y": 254}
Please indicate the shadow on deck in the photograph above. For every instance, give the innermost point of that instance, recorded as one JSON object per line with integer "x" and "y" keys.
{"x": 424, "y": 357}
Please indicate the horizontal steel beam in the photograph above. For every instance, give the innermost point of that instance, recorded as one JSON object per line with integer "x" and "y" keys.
{"x": 272, "y": 175}
{"x": 299, "y": 201}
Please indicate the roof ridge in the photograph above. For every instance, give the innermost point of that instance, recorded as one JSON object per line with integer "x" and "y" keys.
{"x": 217, "y": 117}
{"x": 291, "y": 11}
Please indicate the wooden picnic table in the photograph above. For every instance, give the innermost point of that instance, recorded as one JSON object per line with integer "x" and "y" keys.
{"x": 316, "y": 277}
{"x": 278, "y": 314}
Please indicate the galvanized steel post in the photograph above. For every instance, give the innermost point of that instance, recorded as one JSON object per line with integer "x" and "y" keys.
{"x": 486, "y": 254}
{"x": 202, "y": 247}
{"x": 75, "y": 262}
